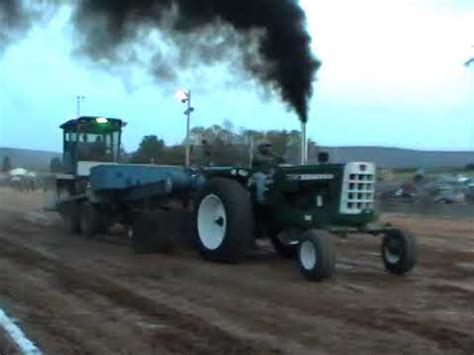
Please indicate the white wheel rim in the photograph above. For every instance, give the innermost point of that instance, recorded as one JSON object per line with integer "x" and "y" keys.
{"x": 392, "y": 258}
{"x": 211, "y": 222}
{"x": 308, "y": 255}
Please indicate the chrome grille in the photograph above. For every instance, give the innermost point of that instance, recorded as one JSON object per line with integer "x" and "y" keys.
{"x": 358, "y": 188}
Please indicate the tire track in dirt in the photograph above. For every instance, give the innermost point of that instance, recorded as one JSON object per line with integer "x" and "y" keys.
{"x": 7, "y": 347}
{"x": 253, "y": 295}
{"x": 391, "y": 318}
{"x": 189, "y": 334}
{"x": 387, "y": 318}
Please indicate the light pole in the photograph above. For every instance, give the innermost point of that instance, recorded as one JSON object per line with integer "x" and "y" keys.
{"x": 185, "y": 97}
{"x": 79, "y": 98}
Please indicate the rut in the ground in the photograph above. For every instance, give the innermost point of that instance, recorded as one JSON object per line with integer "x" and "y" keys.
{"x": 190, "y": 332}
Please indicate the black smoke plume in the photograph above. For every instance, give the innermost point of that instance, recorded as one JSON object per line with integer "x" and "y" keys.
{"x": 17, "y": 17}
{"x": 269, "y": 37}
{"x": 14, "y": 21}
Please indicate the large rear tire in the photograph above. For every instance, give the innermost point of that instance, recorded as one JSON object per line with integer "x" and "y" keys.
{"x": 224, "y": 223}
{"x": 399, "y": 251}
{"x": 316, "y": 255}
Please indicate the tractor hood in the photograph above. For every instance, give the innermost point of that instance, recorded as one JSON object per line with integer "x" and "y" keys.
{"x": 325, "y": 194}
{"x": 292, "y": 177}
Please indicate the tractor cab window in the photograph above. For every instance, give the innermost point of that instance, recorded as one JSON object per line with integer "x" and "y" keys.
{"x": 95, "y": 147}
{"x": 89, "y": 138}
{"x": 70, "y": 137}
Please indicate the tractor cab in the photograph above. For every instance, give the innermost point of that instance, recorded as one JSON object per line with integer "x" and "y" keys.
{"x": 89, "y": 141}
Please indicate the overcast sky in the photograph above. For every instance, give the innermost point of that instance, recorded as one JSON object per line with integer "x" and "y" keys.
{"x": 392, "y": 75}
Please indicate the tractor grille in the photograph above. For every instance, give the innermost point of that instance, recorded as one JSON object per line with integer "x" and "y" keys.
{"x": 357, "y": 188}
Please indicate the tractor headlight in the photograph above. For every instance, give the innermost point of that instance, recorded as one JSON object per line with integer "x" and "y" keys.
{"x": 101, "y": 120}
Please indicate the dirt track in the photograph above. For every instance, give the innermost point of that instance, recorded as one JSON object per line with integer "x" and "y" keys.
{"x": 73, "y": 295}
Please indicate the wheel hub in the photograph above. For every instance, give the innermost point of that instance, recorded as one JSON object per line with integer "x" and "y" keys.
{"x": 212, "y": 222}
{"x": 393, "y": 251}
{"x": 308, "y": 255}
{"x": 220, "y": 221}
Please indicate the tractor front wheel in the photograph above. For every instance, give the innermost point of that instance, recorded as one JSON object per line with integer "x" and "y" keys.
{"x": 399, "y": 251}
{"x": 224, "y": 224}
{"x": 316, "y": 255}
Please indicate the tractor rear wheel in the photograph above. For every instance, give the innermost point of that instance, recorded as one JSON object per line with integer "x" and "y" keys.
{"x": 224, "y": 223}
{"x": 90, "y": 220}
{"x": 316, "y": 255}
{"x": 399, "y": 251}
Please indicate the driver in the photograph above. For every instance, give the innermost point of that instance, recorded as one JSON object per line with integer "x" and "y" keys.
{"x": 265, "y": 158}
{"x": 264, "y": 161}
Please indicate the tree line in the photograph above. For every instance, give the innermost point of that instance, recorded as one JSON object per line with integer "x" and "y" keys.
{"x": 221, "y": 145}
{"x": 217, "y": 144}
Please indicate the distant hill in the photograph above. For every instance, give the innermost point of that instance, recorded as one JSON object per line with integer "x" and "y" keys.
{"x": 383, "y": 157}
{"x": 401, "y": 158}
{"x": 30, "y": 159}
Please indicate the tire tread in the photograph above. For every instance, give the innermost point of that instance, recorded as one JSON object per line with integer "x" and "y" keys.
{"x": 409, "y": 255}
{"x": 240, "y": 221}
{"x": 325, "y": 247}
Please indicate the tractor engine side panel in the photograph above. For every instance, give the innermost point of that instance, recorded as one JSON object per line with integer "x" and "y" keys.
{"x": 305, "y": 196}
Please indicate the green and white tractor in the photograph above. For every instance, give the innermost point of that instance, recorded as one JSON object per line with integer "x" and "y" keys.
{"x": 299, "y": 208}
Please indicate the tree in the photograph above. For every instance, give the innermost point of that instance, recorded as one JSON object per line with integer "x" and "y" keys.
{"x": 151, "y": 150}
{"x": 124, "y": 157}
{"x": 228, "y": 126}
{"x": 313, "y": 149}
{"x": 279, "y": 140}
{"x": 173, "y": 155}
{"x": 227, "y": 153}
{"x": 7, "y": 165}
{"x": 469, "y": 167}
{"x": 55, "y": 165}
{"x": 223, "y": 146}
{"x": 293, "y": 152}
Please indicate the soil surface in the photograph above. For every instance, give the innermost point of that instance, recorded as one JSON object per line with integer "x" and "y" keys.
{"x": 71, "y": 295}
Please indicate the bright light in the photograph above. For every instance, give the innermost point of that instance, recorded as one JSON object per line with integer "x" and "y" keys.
{"x": 101, "y": 120}
{"x": 182, "y": 95}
